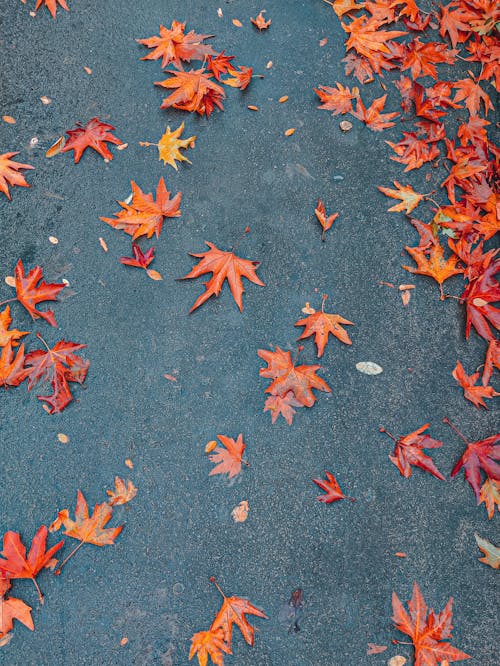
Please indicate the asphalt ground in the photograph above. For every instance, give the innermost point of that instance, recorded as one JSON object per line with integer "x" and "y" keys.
{"x": 153, "y": 586}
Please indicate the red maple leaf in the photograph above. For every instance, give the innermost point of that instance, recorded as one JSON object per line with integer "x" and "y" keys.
{"x": 140, "y": 259}
{"x": 223, "y": 266}
{"x": 413, "y": 151}
{"x": 240, "y": 78}
{"x": 337, "y": 100}
{"x": 15, "y": 564}
{"x": 12, "y": 609}
{"x": 52, "y": 5}
{"x": 219, "y": 65}
{"x": 492, "y": 360}
{"x": 321, "y": 325}
{"x": 29, "y": 293}
{"x": 331, "y": 488}
{"x": 284, "y": 405}
{"x": 479, "y": 296}
{"x": 409, "y": 450}
{"x": 95, "y": 134}
{"x": 421, "y": 57}
{"x": 59, "y": 366}
{"x": 472, "y": 392}
{"x": 173, "y": 45}
{"x": 479, "y": 456}
{"x": 428, "y": 631}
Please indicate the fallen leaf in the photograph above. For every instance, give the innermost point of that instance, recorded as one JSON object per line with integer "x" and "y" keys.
{"x": 240, "y": 512}
{"x": 369, "y": 368}
{"x": 491, "y": 553}
{"x": 52, "y": 5}
{"x": 9, "y": 173}
{"x": 408, "y": 452}
{"x": 325, "y": 221}
{"x": 30, "y": 294}
{"x": 260, "y": 22}
{"x": 473, "y": 393}
{"x": 332, "y": 490}
{"x": 170, "y": 144}
{"x": 373, "y": 648}
{"x": 490, "y": 495}
{"x": 228, "y": 458}
{"x": 237, "y": 23}
{"x": 321, "y": 325}
{"x": 7, "y": 334}
{"x": 64, "y": 439}
{"x": 95, "y": 134}
{"x": 103, "y": 244}
{"x": 283, "y": 99}
{"x": 9, "y": 120}
{"x": 123, "y": 492}
{"x": 174, "y": 45}
{"x": 45, "y": 100}
{"x": 290, "y": 131}
{"x": 129, "y": 463}
{"x": 56, "y": 147}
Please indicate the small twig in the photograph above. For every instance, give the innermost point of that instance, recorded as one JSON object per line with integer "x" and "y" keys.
{"x": 9, "y": 300}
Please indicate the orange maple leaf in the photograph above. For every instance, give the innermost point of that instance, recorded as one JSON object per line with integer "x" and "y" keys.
{"x": 233, "y": 612}
{"x": 490, "y": 495}
{"x": 413, "y": 151}
{"x": 373, "y": 116}
{"x": 95, "y": 134}
{"x": 260, "y": 22}
{"x": 472, "y": 392}
{"x": 86, "y": 528}
{"x": 9, "y": 334}
{"x": 284, "y": 405}
{"x": 325, "y": 221}
{"x": 123, "y": 492}
{"x": 228, "y": 459}
{"x": 174, "y": 45}
{"x": 211, "y": 644}
{"x": 434, "y": 265}
{"x": 194, "y": 91}
{"x": 337, "y": 100}
{"x": 15, "y": 563}
{"x": 9, "y": 173}
{"x": 12, "y": 368}
{"x": 408, "y": 452}
{"x": 145, "y": 216}
{"x": 426, "y": 629}
{"x": 367, "y": 39}
{"x": 470, "y": 91}
{"x": 409, "y": 198}
{"x": 29, "y": 293}
{"x": 491, "y": 361}
{"x": 52, "y": 5}
{"x": 421, "y": 57}
{"x": 12, "y": 609}
{"x": 321, "y": 324}
{"x": 223, "y": 266}
{"x": 239, "y": 79}
{"x": 300, "y": 379}
{"x": 341, "y": 7}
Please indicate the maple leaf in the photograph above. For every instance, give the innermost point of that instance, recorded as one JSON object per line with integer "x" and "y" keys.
{"x": 455, "y": 22}
{"x": 470, "y": 91}
{"x": 426, "y": 629}
{"x": 145, "y": 216}
{"x": 15, "y": 564}
{"x": 95, "y": 134}
{"x": 6, "y": 334}
{"x": 435, "y": 265}
{"x": 490, "y": 495}
{"x": 321, "y": 324}
{"x": 300, "y": 379}
{"x": 173, "y": 45}
{"x": 223, "y": 266}
{"x": 239, "y": 79}
{"x": 228, "y": 460}
{"x": 170, "y": 144}
{"x": 219, "y": 65}
{"x": 479, "y": 296}
{"x": 211, "y": 644}
{"x": 9, "y": 173}
{"x": 12, "y": 368}
{"x": 409, "y": 9}
{"x": 337, "y": 100}
{"x": 359, "y": 66}
{"x": 233, "y": 612}
{"x": 479, "y": 456}
{"x": 52, "y": 5}
{"x": 421, "y": 57}
{"x": 331, "y": 488}
{"x": 367, "y": 39}
{"x": 86, "y": 528}
{"x": 409, "y": 198}
{"x": 194, "y": 91}
{"x": 372, "y": 116}
{"x": 409, "y": 450}
{"x": 492, "y": 360}
{"x": 491, "y": 553}
{"x": 60, "y": 366}
{"x": 325, "y": 221}
{"x": 140, "y": 260}
{"x": 29, "y": 294}
{"x": 123, "y": 492}
{"x": 260, "y": 22}
{"x": 472, "y": 392}
{"x": 341, "y": 7}
{"x": 283, "y": 405}
{"x": 12, "y": 609}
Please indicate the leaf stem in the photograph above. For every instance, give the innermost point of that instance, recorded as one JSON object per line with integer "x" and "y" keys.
{"x": 455, "y": 429}
{"x": 38, "y": 335}
{"x": 214, "y": 581}
{"x": 58, "y": 572}
{"x": 39, "y": 591}
{"x": 325, "y": 296}
{"x": 238, "y": 241}
{"x": 394, "y": 439}
{"x": 9, "y": 300}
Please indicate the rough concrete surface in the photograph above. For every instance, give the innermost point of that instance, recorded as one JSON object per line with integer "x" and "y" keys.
{"x": 153, "y": 586}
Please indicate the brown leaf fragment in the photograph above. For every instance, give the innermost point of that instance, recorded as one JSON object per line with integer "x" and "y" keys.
{"x": 323, "y": 42}
{"x": 9, "y": 120}
{"x": 56, "y": 147}
{"x": 103, "y": 244}
{"x": 123, "y": 492}
{"x": 491, "y": 552}
{"x": 87, "y": 70}
{"x": 283, "y": 99}
{"x": 129, "y": 463}
{"x": 375, "y": 649}
{"x": 240, "y": 512}
{"x": 237, "y": 23}
{"x": 252, "y": 107}
{"x": 290, "y": 131}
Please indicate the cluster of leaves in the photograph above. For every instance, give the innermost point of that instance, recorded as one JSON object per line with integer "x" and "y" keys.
{"x": 293, "y": 384}
{"x": 217, "y": 640}
{"x": 197, "y": 90}
{"x": 469, "y": 217}
{"x": 84, "y": 528}
{"x": 58, "y": 366}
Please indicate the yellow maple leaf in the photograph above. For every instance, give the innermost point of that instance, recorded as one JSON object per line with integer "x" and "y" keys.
{"x": 170, "y": 144}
